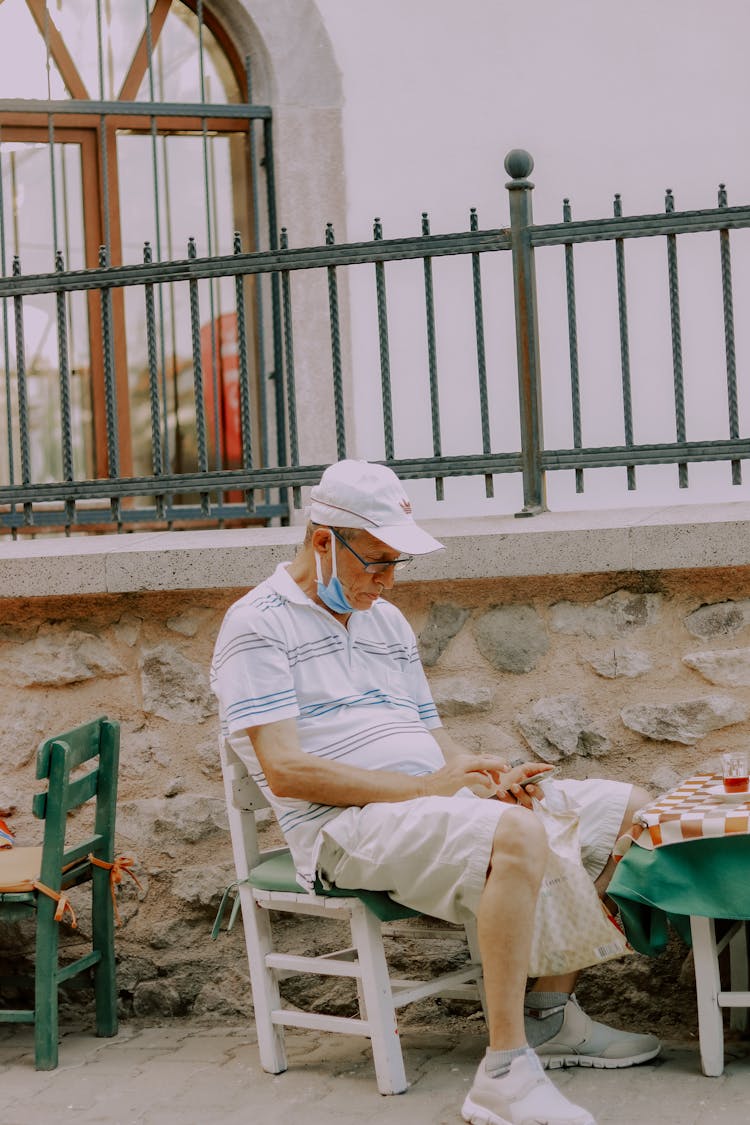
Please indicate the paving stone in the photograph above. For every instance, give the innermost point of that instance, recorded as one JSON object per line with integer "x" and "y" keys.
{"x": 181, "y": 1073}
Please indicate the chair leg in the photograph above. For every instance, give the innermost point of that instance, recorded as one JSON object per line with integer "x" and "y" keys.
{"x": 265, "y": 986}
{"x": 708, "y": 986}
{"x": 472, "y": 940}
{"x": 381, "y": 1014}
{"x": 738, "y": 969}
{"x": 103, "y": 941}
{"x": 45, "y": 986}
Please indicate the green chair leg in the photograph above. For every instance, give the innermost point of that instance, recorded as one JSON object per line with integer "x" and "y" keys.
{"x": 103, "y": 928}
{"x": 45, "y": 985}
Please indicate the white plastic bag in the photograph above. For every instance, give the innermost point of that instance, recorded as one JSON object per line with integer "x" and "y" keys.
{"x": 572, "y": 928}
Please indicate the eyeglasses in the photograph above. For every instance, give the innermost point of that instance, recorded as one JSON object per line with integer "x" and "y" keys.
{"x": 379, "y": 567}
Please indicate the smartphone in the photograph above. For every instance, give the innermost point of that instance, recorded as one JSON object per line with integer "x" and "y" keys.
{"x": 536, "y": 778}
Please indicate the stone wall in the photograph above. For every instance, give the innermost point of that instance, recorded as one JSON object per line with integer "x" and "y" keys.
{"x": 640, "y": 676}
{"x": 643, "y": 676}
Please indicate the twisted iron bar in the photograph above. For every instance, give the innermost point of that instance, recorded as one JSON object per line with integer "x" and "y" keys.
{"x": 429, "y": 301}
{"x": 6, "y": 340}
{"x": 278, "y": 345}
{"x": 291, "y": 389}
{"x": 243, "y": 376}
{"x": 259, "y": 323}
{"x": 729, "y": 349}
{"x": 384, "y": 346}
{"x": 23, "y": 397}
{"x": 200, "y": 406}
{"x": 622, "y": 310}
{"x": 110, "y": 389}
{"x": 476, "y": 277}
{"x": 575, "y": 390}
{"x": 338, "y": 390}
{"x": 157, "y": 455}
{"x": 674, "y": 310}
{"x": 65, "y": 417}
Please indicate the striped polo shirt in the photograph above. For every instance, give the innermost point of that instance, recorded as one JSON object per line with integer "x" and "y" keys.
{"x": 359, "y": 693}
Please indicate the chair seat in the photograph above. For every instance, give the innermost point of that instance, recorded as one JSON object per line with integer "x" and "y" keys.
{"x": 278, "y": 874}
{"x": 19, "y": 867}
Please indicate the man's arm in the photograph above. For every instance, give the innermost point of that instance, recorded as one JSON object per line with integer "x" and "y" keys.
{"x": 291, "y": 772}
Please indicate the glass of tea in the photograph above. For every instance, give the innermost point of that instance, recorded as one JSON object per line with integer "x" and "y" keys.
{"x": 735, "y": 771}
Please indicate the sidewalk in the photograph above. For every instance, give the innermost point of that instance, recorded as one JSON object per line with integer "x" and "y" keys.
{"x": 183, "y": 1074}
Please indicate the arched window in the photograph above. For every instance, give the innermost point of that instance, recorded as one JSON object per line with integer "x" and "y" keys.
{"x": 124, "y": 122}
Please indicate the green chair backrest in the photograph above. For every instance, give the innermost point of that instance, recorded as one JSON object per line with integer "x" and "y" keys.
{"x": 59, "y": 760}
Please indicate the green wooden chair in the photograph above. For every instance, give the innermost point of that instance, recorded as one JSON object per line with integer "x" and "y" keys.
{"x": 34, "y": 880}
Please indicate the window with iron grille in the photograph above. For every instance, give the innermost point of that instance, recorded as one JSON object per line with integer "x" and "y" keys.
{"x": 125, "y": 123}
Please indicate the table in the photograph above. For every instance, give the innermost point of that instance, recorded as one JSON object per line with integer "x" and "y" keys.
{"x": 686, "y": 862}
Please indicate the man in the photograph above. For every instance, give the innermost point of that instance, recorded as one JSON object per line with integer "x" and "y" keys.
{"x": 323, "y": 695}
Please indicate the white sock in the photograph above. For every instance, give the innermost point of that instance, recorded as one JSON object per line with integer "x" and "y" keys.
{"x": 497, "y": 1063}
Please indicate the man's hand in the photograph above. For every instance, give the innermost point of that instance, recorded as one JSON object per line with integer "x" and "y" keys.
{"x": 482, "y": 773}
{"x": 511, "y": 788}
{"x": 486, "y": 776}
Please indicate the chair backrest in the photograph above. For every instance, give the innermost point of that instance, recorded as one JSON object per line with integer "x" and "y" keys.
{"x": 244, "y": 799}
{"x": 59, "y": 761}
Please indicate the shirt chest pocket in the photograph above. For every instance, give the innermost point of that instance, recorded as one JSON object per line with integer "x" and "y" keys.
{"x": 387, "y": 678}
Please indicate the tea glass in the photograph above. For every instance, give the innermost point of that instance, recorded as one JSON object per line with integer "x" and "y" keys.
{"x": 735, "y": 771}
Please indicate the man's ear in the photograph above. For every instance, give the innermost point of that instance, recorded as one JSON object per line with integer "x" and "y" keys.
{"x": 321, "y": 540}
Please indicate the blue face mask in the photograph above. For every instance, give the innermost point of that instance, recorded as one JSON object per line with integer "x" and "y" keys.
{"x": 332, "y": 594}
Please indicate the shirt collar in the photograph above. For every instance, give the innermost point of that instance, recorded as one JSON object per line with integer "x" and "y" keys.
{"x": 282, "y": 582}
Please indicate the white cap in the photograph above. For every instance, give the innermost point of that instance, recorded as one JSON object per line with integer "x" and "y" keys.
{"x": 370, "y": 496}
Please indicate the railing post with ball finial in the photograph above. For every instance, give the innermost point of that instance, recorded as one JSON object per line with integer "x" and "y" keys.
{"x": 519, "y": 165}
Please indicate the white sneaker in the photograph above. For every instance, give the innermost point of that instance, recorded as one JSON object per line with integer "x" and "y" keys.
{"x": 582, "y": 1041}
{"x": 523, "y": 1096}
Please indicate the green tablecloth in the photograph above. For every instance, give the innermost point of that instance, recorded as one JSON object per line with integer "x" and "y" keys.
{"x": 710, "y": 876}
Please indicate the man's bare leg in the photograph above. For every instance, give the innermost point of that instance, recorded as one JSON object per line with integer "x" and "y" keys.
{"x": 510, "y": 1084}
{"x": 638, "y": 798}
{"x": 505, "y": 921}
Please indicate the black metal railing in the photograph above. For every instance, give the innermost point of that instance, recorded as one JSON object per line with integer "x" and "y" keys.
{"x": 214, "y": 489}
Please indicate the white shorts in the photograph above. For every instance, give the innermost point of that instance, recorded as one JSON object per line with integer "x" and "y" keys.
{"x": 432, "y": 853}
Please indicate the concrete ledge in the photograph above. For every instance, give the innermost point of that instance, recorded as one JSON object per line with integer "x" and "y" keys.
{"x": 642, "y": 539}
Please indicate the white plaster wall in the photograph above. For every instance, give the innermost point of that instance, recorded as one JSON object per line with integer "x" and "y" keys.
{"x": 295, "y": 71}
{"x": 607, "y": 97}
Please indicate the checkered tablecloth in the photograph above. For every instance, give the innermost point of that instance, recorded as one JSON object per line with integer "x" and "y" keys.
{"x": 687, "y": 812}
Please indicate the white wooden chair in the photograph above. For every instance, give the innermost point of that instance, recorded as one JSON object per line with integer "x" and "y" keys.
{"x": 711, "y": 998}
{"x": 266, "y": 882}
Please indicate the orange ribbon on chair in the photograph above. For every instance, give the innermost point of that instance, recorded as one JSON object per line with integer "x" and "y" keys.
{"x": 63, "y": 903}
{"x": 122, "y": 865}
